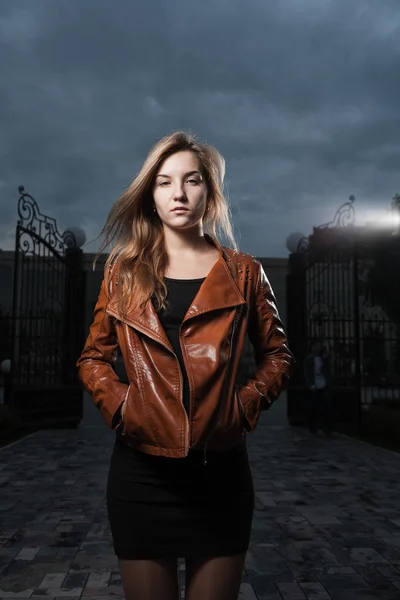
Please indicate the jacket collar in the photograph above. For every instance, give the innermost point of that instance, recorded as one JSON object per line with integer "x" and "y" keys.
{"x": 218, "y": 291}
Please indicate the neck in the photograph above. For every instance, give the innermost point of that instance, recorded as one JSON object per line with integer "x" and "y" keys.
{"x": 189, "y": 240}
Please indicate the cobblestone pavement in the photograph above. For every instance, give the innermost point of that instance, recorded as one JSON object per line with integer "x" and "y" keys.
{"x": 326, "y": 525}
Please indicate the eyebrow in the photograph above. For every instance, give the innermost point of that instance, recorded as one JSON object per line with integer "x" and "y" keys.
{"x": 185, "y": 175}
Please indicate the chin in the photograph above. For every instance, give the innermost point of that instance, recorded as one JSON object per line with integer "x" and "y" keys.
{"x": 183, "y": 225}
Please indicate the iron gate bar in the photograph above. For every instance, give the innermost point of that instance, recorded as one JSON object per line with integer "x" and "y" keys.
{"x": 356, "y": 319}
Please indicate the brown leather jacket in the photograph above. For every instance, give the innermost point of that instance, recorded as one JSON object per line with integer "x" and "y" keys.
{"x": 235, "y": 298}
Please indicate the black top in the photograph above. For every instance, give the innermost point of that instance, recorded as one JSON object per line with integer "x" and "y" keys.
{"x": 180, "y": 295}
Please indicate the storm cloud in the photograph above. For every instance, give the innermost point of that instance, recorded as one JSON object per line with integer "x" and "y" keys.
{"x": 301, "y": 97}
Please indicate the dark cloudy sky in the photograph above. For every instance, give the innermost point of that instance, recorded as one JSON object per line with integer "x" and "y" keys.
{"x": 301, "y": 96}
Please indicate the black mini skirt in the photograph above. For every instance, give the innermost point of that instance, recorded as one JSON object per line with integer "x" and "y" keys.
{"x": 162, "y": 507}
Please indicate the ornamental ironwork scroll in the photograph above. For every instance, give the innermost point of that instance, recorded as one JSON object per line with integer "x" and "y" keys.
{"x": 344, "y": 217}
{"x": 42, "y": 227}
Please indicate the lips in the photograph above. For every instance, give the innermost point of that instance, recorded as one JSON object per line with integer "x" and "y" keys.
{"x": 180, "y": 209}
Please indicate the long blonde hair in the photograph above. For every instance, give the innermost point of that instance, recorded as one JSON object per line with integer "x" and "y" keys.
{"x": 137, "y": 232}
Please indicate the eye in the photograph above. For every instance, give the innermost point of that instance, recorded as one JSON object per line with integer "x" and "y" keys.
{"x": 164, "y": 183}
{"x": 195, "y": 181}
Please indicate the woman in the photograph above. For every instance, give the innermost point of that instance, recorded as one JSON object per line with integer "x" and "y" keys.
{"x": 178, "y": 306}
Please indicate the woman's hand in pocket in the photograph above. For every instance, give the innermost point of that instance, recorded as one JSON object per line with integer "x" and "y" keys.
{"x": 123, "y": 409}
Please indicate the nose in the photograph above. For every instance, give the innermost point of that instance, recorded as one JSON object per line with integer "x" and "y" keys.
{"x": 178, "y": 193}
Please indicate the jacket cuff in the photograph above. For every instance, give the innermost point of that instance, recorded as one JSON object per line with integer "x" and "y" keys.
{"x": 109, "y": 401}
{"x": 251, "y": 403}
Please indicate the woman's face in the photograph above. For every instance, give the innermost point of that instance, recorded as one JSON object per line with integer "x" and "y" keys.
{"x": 180, "y": 192}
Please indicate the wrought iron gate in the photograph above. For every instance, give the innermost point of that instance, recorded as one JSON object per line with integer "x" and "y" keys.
{"x": 336, "y": 293}
{"x": 47, "y": 320}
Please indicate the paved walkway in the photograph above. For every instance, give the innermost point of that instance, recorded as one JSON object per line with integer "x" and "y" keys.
{"x": 326, "y": 526}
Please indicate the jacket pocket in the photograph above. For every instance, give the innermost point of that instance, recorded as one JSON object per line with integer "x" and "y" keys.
{"x": 125, "y": 400}
{"x": 136, "y": 423}
{"x": 121, "y": 425}
{"x": 242, "y": 413}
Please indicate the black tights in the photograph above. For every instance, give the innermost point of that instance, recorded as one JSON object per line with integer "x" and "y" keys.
{"x": 216, "y": 578}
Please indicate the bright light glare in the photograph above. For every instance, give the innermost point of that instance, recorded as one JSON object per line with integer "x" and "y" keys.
{"x": 375, "y": 220}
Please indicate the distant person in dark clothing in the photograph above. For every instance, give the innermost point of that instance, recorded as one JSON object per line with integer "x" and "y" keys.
{"x": 319, "y": 408}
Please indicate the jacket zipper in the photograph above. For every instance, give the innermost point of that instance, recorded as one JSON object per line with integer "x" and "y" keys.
{"x": 188, "y": 418}
{"x": 187, "y": 432}
{"x": 214, "y": 426}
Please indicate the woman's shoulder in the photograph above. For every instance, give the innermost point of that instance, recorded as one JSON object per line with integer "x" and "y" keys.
{"x": 111, "y": 275}
{"x": 241, "y": 258}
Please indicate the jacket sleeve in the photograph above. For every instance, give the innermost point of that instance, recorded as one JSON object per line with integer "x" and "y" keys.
{"x": 273, "y": 358}
{"x": 95, "y": 363}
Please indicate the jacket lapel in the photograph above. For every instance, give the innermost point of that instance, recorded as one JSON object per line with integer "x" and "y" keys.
{"x": 146, "y": 321}
{"x": 218, "y": 291}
